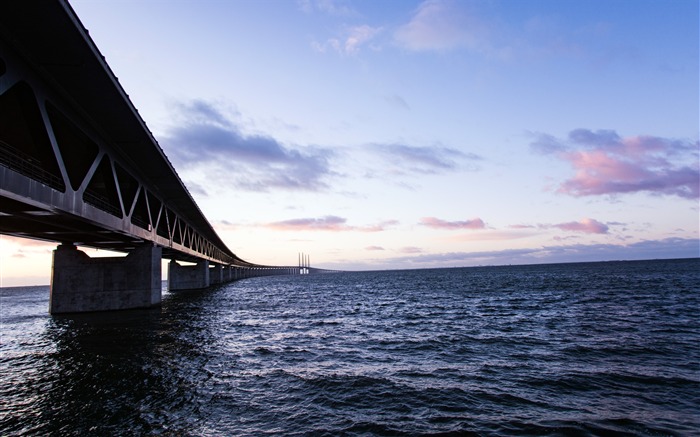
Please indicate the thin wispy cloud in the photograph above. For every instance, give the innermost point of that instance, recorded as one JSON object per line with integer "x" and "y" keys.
{"x": 436, "y": 25}
{"x": 410, "y": 249}
{"x": 424, "y": 159}
{"x": 586, "y": 225}
{"x": 330, "y": 223}
{"x": 196, "y": 189}
{"x": 225, "y": 226}
{"x": 494, "y": 235}
{"x": 608, "y": 164}
{"x": 652, "y": 249}
{"x": 450, "y": 25}
{"x": 351, "y": 40}
{"x": 516, "y": 231}
{"x": 397, "y": 101}
{"x": 331, "y": 7}
{"x": 206, "y": 138}
{"x": 521, "y": 226}
{"x": 443, "y": 25}
{"x": 359, "y": 36}
{"x": 436, "y": 223}
{"x": 27, "y": 242}
{"x": 25, "y": 247}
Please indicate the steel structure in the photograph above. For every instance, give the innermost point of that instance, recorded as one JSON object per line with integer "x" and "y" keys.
{"x": 78, "y": 164}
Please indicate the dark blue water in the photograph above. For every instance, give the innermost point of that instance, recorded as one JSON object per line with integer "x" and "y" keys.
{"x": 571, "y": 349}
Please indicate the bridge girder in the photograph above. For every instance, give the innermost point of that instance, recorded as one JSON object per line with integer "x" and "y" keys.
{"x": 77, "y": 162}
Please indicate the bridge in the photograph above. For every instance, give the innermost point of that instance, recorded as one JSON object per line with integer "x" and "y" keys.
{"x": 79, "y": 167}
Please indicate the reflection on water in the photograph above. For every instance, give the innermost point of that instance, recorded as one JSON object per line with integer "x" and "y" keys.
{"x": 97, "y": 372}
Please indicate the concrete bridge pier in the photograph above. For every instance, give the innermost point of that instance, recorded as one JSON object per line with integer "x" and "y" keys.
{"x": 188, "y": 277}
{"x": 216, "y": 274}
{"x": 82, "y": 284}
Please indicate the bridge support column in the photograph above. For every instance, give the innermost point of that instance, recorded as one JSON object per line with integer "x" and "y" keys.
{"x": 216, "y": 274}
{"x": 188, "y": 277}
{"x": 82, "y": 284}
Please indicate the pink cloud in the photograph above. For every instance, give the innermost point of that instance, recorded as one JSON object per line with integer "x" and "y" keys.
{"x": 328, "y": 223}
{"x": 436, "y": 223}
{"x": 374, "y": 248}
{"x": 379, "y": 227}
{"x": 587, "y": 225}
{"x": 668, "y": 248}
{"x": 607, "y": 164}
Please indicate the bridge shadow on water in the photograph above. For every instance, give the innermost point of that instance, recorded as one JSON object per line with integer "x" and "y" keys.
{"x": 136, "y": 371}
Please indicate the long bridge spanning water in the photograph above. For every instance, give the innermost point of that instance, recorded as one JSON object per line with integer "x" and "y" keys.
{"x": 78, "y": 166}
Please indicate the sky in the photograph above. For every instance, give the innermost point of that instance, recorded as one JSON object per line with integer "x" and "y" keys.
{"x": 416, "y": 134}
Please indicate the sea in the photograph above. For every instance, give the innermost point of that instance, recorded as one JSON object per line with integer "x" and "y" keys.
{"x": 586, "y": 349}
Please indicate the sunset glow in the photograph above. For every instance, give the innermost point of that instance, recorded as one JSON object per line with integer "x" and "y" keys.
{"x": 437, "y": 133}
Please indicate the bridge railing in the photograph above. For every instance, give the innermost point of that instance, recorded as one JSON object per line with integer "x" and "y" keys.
{"x": 26, "y": 165}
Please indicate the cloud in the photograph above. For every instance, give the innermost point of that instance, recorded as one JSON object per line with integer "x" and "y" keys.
{"x": 410, "y": 249}
{"x": 358, "y": 36}
{"x": 351, "y": 41}
{"x": 437, "y": 223}
{"x": 374, "y": 248}
{"x": 195, "y": 188}
{"x": 521, "y": 226}
{"x": 330, "y": 7}
{"x": 668, "y": 248}
{"x": 25, "y": 247}
{"x": 328, "y": 223}
{"x": 397, "y": 101}
{"x": 422, "y": 160}
{"x": 608, "y": 164}
{"x": 443, "y": 25}
{"x": 205, "y": 138}
{"x": 209, "y": 141}
{"x": 587, "y": 225}
{"x": 225, "y": 226}
{"x": 16, "y": 252}
{"x": 518, "y": 231}
{"x": 472, "y": 25}
{"x": 28, "y": 243}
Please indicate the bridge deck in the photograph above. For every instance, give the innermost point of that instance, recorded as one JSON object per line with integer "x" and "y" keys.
{"x": 77, "y": 162}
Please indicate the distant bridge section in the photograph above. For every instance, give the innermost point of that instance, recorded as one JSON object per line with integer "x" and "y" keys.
{"x": 79, "y": 166}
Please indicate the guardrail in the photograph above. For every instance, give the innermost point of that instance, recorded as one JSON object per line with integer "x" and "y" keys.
{"x": 27, "y": 165}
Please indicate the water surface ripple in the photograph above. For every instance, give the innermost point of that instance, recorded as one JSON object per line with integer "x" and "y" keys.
{"x": 569, "y": 349}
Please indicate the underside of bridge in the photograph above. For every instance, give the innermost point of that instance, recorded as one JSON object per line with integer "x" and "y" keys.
{"x": 78, "y": 166}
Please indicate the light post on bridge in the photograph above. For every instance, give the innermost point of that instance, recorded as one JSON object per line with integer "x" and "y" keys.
{"x": 304, "y": 264}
